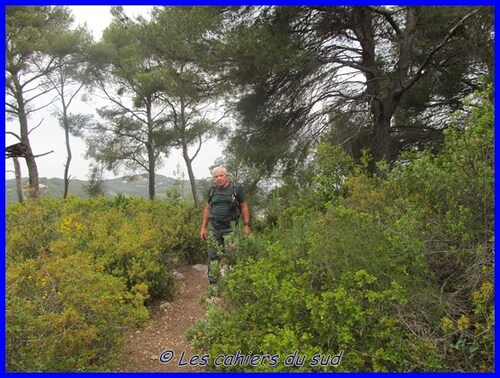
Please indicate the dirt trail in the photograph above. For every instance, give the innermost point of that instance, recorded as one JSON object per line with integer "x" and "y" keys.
{"x": 166, "y": 330}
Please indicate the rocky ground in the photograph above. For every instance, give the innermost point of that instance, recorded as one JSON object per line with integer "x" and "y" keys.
{"x": 168, "y": 325}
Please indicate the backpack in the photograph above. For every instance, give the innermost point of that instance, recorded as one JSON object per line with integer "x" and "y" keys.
{"x": 235, "y": 204}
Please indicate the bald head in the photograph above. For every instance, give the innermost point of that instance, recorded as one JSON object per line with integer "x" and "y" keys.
{"x": 220, "y": 176}
{"x": 219, "y": 169}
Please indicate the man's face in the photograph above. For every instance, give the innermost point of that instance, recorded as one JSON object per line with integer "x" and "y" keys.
{"x": 221, "y": 179}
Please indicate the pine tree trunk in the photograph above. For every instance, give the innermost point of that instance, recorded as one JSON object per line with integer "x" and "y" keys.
{"x": 381, "y": 131}
{"x": 30, "y": 158}
{"x": 32, "y": 168}
{"x": 192, "y": 179}
{"x": 68, "y": 161}
{"x": 19, "y": 180}
{"x": 151, "y": 172}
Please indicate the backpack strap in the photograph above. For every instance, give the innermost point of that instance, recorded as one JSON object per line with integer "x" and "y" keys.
{"x": 211, "y": 195}
{"x": 235, "y": 204}
{"x": 235, "y": 195}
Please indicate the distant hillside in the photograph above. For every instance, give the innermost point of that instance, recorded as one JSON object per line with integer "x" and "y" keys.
{"x": 136, "y": 186}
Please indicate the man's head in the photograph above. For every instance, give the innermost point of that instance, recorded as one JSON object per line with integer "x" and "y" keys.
{"x": 220, "y": 176}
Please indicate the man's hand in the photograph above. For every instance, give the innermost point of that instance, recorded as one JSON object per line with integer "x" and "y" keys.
{"x": 204, "y": 223}
{"x": 203, "y": 233}
{"x": 246, "y": 217}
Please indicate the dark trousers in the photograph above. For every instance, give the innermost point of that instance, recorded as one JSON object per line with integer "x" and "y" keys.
{"x": 215, "y": 249}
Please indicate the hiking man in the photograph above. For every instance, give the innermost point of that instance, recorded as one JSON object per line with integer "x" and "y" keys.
{"x": 225, "y": 202}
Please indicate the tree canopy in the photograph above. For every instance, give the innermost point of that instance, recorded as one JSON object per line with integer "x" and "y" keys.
{"x": 382, "y": 79}
{"x": 308, "y": 69}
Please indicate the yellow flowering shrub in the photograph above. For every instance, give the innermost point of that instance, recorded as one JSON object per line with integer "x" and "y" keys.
{"x": 63, "y": 314}
{"x": 81, "y": 271}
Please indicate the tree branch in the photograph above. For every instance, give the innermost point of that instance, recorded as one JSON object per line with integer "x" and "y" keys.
{"x": 198, "y": 150}
{"x": 46, "y": 153}
{"x": 37, "y": 126}
{"x": 388, "y": 16}
{"x": 439, "y": 46}
{"x": 14, "y": 134}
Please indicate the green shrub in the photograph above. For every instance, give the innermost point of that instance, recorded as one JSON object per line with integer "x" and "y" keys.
{"x": 130, "y": 246}
{"x": 30, "y": 228}
{"x": 445, "y": 202}
{"x": 65, "y": 314}
{"x": 80, "y": 271}
{"x": 323, "y": 288}
{"x": 396, "y": 272}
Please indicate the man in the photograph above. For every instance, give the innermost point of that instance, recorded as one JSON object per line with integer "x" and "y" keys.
{"x": 225, "y": 202}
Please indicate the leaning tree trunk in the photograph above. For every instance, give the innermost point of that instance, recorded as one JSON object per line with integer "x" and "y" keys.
{"x": 19, "y": 180}
{"x": 185, "y": 155}
{"x": 68, "y": 160}
{"x": 30, "y": 158}
{"x": 192, "y": 179}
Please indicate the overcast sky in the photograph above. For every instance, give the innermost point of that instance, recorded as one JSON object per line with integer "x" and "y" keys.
{"x": 49, "y": 136}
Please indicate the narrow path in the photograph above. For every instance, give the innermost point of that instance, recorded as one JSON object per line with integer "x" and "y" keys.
{"x": 168, "y": 325}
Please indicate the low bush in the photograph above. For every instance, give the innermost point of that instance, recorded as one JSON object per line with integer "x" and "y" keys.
{"x": 65, "y": 314}
{"x": 320, "y": 290}
{"x": 80, "y": 272}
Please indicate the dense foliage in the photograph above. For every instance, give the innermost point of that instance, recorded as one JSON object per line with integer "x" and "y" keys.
{"x": 82, "y": 271}
{"x": 382, "y": 78}
{"x": 391, "y": 274}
